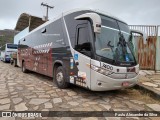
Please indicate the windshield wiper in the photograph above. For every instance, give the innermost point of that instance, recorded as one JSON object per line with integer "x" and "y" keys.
{"x": 122, "y": 42}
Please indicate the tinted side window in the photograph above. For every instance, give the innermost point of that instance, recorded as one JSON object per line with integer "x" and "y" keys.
{"x": 82, "y": 36}
{"x": 83, "y": 44}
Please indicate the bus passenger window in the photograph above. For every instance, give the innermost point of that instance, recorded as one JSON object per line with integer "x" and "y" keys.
{"x": 83, "y": 45}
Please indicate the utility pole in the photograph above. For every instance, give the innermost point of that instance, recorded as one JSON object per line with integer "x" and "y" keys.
{"x": 47, "y": 6}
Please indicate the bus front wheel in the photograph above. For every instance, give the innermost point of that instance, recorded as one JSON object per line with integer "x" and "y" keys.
{"x": 60, "y": 78}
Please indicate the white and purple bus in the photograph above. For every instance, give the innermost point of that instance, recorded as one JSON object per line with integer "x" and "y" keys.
{"x": 7, "y": 50}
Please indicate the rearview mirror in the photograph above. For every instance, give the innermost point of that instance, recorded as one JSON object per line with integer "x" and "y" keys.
{"x": 141, "y": 33}
{"x": 96, "y": 19}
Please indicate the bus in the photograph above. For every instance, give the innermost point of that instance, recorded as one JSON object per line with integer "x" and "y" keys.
{"x": 84, "y": 47}
{"x": 7, "y": 50}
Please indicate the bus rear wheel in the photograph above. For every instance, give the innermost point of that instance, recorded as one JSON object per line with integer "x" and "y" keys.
{"x": 24, "y": 70}
{"x": 60, "y": 78}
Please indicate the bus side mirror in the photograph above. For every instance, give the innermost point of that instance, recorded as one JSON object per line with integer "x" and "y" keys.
{"x": 141, "y": 33}
{"x": 96, "y": 19}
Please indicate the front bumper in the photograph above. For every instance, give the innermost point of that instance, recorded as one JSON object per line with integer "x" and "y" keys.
{"x": 100, "y": 82}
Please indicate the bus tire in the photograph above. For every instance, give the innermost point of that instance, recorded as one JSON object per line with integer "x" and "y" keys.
{"x": 60, "y": 78}
{"x": 24, "y": 70}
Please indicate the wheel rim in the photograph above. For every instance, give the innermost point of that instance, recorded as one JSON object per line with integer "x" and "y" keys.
{"x": 59, "y": 77}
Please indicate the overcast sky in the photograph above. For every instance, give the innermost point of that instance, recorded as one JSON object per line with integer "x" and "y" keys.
{"x": 134, "y": 12}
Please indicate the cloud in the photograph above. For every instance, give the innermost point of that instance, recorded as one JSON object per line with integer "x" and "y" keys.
{"x": 132, "y": 12}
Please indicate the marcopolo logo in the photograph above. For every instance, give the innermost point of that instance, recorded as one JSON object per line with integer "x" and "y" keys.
{"x": 6, "y": 114}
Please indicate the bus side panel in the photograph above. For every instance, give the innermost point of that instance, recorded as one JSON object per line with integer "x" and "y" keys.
{"x": 41, "y": 50}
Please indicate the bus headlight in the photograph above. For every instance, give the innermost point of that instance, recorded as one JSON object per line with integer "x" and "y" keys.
{"x": 100, "y": 70}
{"x": 95, "y": 68}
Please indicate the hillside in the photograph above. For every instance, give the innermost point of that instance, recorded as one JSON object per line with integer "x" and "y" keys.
{"x": 7, "y": 36}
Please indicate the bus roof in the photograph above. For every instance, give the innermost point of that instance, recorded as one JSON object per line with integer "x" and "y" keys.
{"x": 94, "y": 10}
{"x": 72, "y": 11}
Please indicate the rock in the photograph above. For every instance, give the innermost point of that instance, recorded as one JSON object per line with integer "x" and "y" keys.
{"x": 66, "y": 118}
{"x": 156, "y": 81}
{"x": 115, "y": 101}
{"x": 137, "y": 102}
{"x": 118, "y": 109}
{"x": 112, "y": 118}
{"x": 51, "y": 91}
{"x": 73, "y": 103}
{"x": 5, "y": 107}
{"x": 106, "y": 100}
{"x": 40, "y": 89}
{"x": 38, "y": 101}
{"x": 54, "y": 95}
{"x": 61, "y": 94}
{"x": 6, "y": 118}
{"x": 57, "y": 100}
{"x": 96, "y": 108}
{"x": 133, "y": 106}
{"x": 118, "y": 105}
{"x": 90, "y": 118}
{"x": 134, "y": 118}
{"x": 107, "y": 107}
{"x": 58, "y": 90}
{"x": 82, "y": 109}
{"x": 85, "y": 104}
{"x": 48, "y": 105}
{"x": 36, "y": 108}
{"x": 66, "y": 106}
{"x": 155, "y": 107}
{"x": 92, "y": 103}
{"x": 142, "y": 73}
{"x": 31, "y": 88}
{"x": 11, "y": 90}
{"x": 68, "y": 98}
{"x": 3, "y": 96}
{"x": 44, "y": 96}
{"x": 5, "y": 101}
{"x": 17, "y": 100}
{"x": 20, "y": 88}
{"x": 13, "y": 93}
{"x": 71, "y": 93}
{"x": 10, "y": 84}
{"x": 14, "y": 96}
{"x": 150, "y": 84}
{"x": 149, "y": 72}
{"x": 32, "y": 96}
{"x": 21, "y": 107}
{"x": 157, "y": 89}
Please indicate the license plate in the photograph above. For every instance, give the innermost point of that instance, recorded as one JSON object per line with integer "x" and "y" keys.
{"x": 125, "y": 84}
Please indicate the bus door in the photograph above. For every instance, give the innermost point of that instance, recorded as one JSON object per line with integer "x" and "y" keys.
{"x": 82, "y": 55}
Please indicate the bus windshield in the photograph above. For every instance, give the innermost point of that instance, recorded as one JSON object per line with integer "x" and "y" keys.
{"x": 114, "y": 42}
{"x": 12, "y": 46}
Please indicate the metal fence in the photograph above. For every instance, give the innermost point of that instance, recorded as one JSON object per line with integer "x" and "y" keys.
{"x": 146, "y": 52}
